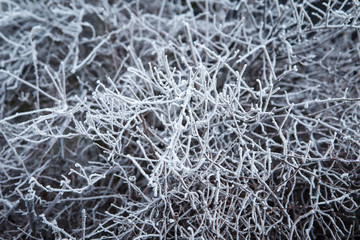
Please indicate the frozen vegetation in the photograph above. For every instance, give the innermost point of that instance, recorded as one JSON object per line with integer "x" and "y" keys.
{"x": 180, "y": 119}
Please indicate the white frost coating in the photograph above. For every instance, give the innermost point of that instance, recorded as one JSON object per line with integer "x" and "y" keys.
{"x": 179, "y": 119}
{"x": 132, "y": 178}
{"x": 306, "y": 105}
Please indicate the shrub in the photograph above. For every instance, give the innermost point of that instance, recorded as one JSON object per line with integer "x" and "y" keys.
{"x": 179, "y": 119}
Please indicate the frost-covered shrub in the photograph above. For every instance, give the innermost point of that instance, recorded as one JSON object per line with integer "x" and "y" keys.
{"x": 179, "y": 119}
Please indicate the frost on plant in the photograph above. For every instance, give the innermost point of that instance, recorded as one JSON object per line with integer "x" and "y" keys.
{"x": 179, "y": 119}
